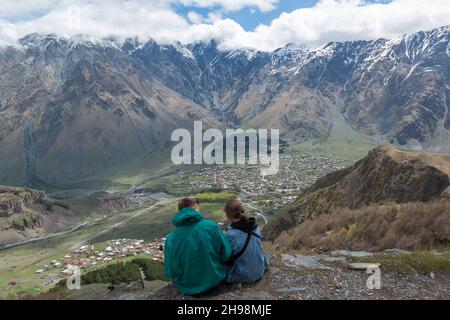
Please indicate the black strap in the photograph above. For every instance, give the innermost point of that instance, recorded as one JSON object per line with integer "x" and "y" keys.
{"x": 233, "y": 258}
{"x": 256, "y": 235}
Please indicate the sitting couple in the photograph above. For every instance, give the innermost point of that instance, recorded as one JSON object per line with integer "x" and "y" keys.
{"x": 199, "y": 257}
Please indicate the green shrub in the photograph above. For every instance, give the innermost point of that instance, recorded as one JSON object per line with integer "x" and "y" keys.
{"x": 215, "y": 197}
{"x": 153, "y": 270}
{"x": 114, "y": 274}
{"x": 411, "y": 226}
{"x": 126, "y": 272}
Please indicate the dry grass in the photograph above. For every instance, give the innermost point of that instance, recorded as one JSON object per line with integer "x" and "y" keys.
{"x": 414, "y": 226}
{"x": 437, "y": 160}
{"x": 425, "y": 262}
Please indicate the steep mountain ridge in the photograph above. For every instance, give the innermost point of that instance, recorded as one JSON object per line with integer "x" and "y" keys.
{"x": 385, "y": 176}
{"x": 71, "y": 110}
{"x": 71, "y": 107}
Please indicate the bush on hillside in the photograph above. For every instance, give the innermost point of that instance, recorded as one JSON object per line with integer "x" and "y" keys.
{"x": 114, "y": 274}
{"x": 412, "y": 226}
{"x": 153, "y": 270}
{"x": 126, "y": 272}
{"x": 215, "y": 197}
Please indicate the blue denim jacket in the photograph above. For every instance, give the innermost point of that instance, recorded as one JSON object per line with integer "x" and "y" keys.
{"x": 252, "y": 264}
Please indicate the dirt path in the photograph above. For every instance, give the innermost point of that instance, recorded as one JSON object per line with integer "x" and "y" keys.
{"x": 292, "y": 171}
{"x": 82, "y": 225}
{"x": 49, "y": 236}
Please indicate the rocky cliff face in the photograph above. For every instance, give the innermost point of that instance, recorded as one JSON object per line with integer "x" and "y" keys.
{"x": 19, "y": 200}
{"x": 108, "y": 203}
{"x": 72, "y": 107}
{"x": 27, "y": 213}
{"x": 385, "y": 176}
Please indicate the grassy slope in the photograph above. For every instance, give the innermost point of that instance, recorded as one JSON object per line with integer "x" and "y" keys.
{"x": 21, "y": 262}
{"x": 422, "y": 261}
{"x": 348, "y": 149}
{"x": 134, "y": 172}
{"x": 120, "y": 178}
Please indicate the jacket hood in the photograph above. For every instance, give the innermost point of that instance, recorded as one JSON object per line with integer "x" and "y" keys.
{"x": 245, "y": 225}
{"x": 187, "y": 216}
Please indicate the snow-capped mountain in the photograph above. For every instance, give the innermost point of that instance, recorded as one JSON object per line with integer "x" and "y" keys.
{"x": 71, "y": 106}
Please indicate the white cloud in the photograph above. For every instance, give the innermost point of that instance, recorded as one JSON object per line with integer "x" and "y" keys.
{"x": 329, "y": 20}
{"x": 341, "y": 20}
{"x": 104, "y": 18}
{"x": 24, "y": 7}
{"x": 8, "y": 33}
{"x": 194, "y": 17}
{"x": 214, "y": 17}
{"x": 232, "y": 5}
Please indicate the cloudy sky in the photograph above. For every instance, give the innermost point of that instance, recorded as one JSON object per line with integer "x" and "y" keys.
{"x": 260, "y": 24}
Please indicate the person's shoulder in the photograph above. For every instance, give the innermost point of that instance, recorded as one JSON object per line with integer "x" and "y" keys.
{"x": 172, "y": 234}
{"x": 208, "y": 223}
{"x": 233, "y": 232}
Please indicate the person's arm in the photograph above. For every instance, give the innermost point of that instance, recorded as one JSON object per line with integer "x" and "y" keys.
{"x": 224, "y": 246}
{"x": 234, "y": 243}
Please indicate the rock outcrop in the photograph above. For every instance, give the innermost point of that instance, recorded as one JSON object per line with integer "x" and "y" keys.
{"x": 108, "y": 203}
{"x": 26, "y": 213}
{"x": 19, "y": 200}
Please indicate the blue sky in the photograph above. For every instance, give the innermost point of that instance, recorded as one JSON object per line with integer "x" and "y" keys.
{"x": 252, "y": 24}
{"x": 250, "y": 18}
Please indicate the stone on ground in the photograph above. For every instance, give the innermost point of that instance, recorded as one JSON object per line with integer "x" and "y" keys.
{"x": 347, "y": 253}
{"x": 363, "y": 266}
{"x": 396, "y": 251}
{"x": 302, "y": 262}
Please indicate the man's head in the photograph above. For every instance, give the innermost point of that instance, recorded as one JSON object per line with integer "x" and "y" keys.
{"x": 189, "y": 203}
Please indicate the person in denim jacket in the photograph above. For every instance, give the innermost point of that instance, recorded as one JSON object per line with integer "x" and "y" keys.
{"x": 248, "y": 262}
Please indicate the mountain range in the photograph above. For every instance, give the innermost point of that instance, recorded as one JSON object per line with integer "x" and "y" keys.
{"x": 72, "y": 106}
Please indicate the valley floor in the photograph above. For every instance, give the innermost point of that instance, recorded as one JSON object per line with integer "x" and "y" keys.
{"x": 403, "y": 276}
{"x": 18, "y": 264}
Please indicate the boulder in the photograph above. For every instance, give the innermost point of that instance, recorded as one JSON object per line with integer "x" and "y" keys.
{"x": 363, "y": 266}
{"x": 347, "y": 253}
{"x": 302, "y": 262}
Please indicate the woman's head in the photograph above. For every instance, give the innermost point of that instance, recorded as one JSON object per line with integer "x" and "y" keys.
{"x": 235, "y": 210}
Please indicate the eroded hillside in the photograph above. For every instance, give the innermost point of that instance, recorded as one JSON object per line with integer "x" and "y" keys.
{"x": 391, "y": 198}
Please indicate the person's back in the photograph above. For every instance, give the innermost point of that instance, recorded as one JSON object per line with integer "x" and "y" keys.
{"x": 195, "y": 252}
{"x": 248, "y": 262}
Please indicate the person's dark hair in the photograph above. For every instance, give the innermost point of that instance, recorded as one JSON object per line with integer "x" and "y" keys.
{"x": 235, "y": 210}
{"x": 187, "y": 203}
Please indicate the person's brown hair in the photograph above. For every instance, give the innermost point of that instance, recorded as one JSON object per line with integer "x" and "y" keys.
{"x": 187, "y": 203}
{"x": 235, "y": 210}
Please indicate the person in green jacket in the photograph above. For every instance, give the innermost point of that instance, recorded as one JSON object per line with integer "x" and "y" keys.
{"x": 195, "y": 251}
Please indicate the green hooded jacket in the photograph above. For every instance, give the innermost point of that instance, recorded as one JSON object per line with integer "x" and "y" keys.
{"x": 195, "y": 252}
